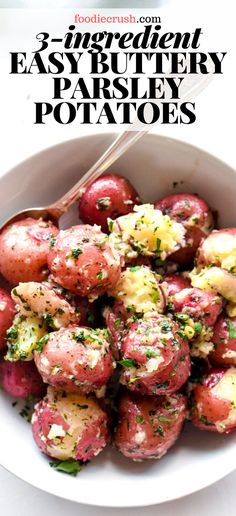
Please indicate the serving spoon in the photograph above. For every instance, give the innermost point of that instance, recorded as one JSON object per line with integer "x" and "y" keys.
{"x": 53, "y": 212}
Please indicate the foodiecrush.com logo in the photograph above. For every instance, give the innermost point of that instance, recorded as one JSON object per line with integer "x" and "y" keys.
{"x": 118, "y": 68}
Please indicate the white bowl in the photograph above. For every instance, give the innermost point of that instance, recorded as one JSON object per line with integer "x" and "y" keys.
{"x": 199, "y": 458}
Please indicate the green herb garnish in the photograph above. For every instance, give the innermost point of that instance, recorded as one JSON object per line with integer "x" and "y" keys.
{"x": 76, "y": 252}
{"x": 140, "y": 419}
{"x": 135, "y": 268}
{"x": 197, "y": 327}
{"x": 41, "y": 343}
{"x": 117, "y": 324}
{"x": 70, "y": 466}
{"x": 128, "y": 362}
{"x": 150, "y": 353}
{"x": 103, "y": 203}
{"x": 232, "y": 332}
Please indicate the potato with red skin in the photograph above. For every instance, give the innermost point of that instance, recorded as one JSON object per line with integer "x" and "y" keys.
{"x": 70, "y": 426}
{"x": 24, "y": 247}
{"x": 173, "y": 283}
{"x": 108, "y": 197}
{"x": 155, "y": 359}
{"x": 149, "y": 426}
{"x": 196, "y": 217}
{"x": 75, "y": 359}
{"x": 83, "y": 261}
{"x": 7, "y": 313}
{"x": 216, "y": 248}
{"x": 201, "y": 306}
{"x": 21, "y": 379}
{"x": 224, "y": 340}
{"x": 213, "y": 401}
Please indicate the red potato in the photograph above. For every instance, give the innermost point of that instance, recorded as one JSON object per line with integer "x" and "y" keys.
{"x": 224, "y": 340}
{"x": 196, "y": 217}
{"x": 21, "y": 379}
{"x": 23, "y": 250}
{"x": 154, "y": 357}
{"x": 173, "y": 283}
{"x": 69, "y": 426}
{"x": 7, "y": 312}
{"x": 149, "y": 426}
{"x": 36, "y": 299}
{"x": 214, "y": 401}
{"x": 75, "y": 359}
{"x": 201, "y": 306}
{"x": 219, "y": 249}
{"x": 109, "y": 196}
{"x": 83, "y": 261}
{"x": 87, "y": 312}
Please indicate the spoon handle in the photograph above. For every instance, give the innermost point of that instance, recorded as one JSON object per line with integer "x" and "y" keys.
{"x": 118, "y": 147}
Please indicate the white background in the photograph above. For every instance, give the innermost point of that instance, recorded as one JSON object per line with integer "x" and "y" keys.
{"x": 214, "y": 131}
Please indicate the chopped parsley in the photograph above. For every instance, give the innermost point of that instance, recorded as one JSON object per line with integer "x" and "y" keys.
{"x": 150, "y": 353}
{"x": 232, "y": 332}
{"x": 12, "y": 333}
{"x": 163, "y": 385}
{"x": 164, "y": 419}
{"x": 117, "y": 324}
{"x": 204, "y": 420}
{"x": 103, "y": 203}
{"x": 76, "y": 252}
{"x": 79, "y": 337}
{"x": 110, "y": 224}
{"x": 70, "y": 466}
{"x": 155, "y": 296}
{"x": 159, "y": 430}
{"x": 197, "y": 327}
{"x": 140, "y": 419}
{"x": 166, "y": 326}
{"x": 158, "y": 246}
{"x": 52, "y": 241}
{"x": 41, "y": 343}
{"x": 128, "y": 362}
{"x": 135, "y": 268}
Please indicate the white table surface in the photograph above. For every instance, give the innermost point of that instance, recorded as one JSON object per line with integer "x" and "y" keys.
{"x": 214, "y": 131}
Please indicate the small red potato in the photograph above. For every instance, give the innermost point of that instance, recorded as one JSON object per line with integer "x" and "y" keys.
{"x": 69, "y": 426}
{"x": 196, "y": 217}
{"x": 149, "y": 426}
{"x": 83, "y": 261}
{"x": 155, "y": 359}
{"x": 21, "y": 379}
{"x": 7, "y": 312}
{"x": 109, "y": 196}
{"x": 75, "y": 359}
{"x": 173, "y": 283}
{"x": 23, "y": 250}
{"x": 214, "y": 401}
{"x": 219, "y": 249}
{"x": 37, "y": 300}
{"x": 201, "y": 306}
{"x": 224, "y": 340}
